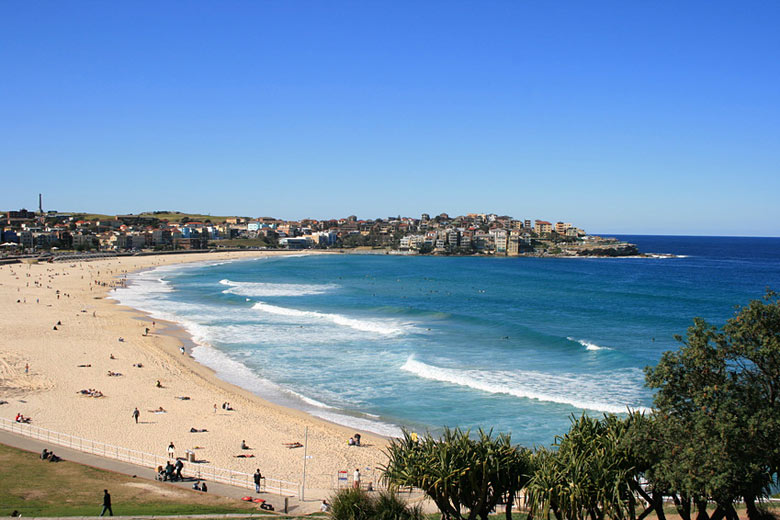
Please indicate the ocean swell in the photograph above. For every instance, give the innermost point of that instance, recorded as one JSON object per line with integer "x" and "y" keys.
{"x": 384, "y": 327}
{"x": 613, "y": 392}
{"x": 261, "y": 289}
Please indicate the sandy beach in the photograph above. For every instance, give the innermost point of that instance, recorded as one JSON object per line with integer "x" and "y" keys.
{"x": 60, "y": 335}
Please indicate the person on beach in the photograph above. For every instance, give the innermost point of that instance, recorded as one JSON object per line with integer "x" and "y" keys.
{"x": 106, "y": 504}
{"x": 179, "y": 466}
{"x": 136, "y": 414}
{"x": 257, "y": 477}
{"x": 356, "y": 479}
{"x": 171, "y": 449}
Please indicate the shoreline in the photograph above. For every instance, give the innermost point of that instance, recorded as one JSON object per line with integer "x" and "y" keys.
{"x": 277, "y": 395}
{"x": 264, "y": 424}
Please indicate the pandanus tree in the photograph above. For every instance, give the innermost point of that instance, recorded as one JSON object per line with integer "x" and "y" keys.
{"x": 465, "y": 477}
{"x": 590, "y": 474}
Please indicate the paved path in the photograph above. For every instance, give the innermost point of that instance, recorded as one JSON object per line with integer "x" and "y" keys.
{"x": 295, "y": 506}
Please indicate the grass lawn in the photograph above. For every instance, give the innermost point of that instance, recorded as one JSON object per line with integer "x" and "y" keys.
{"x": 196, "y": 217}
{"x": 40, "y": 488}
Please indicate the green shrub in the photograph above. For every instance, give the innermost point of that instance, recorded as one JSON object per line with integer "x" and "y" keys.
{"x": 356, "y": 504}
{"x": 351, "y": 504}
{"x": 389, "y": 506}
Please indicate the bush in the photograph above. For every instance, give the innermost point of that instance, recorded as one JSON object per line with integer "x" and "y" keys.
{"x": 389, "y": 506}
{"x": 351, "y": 504}
{"x": 356, "y": 504}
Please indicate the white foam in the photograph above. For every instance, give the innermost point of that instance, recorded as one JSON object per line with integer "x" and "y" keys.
{"x": 239, "y": 374}
{"x": 589, "y": 345}
{"x": 260, "y": 290}
{"x": 359, "y": 423}
{"x": 612, "y": 392}
{"x": 309, "y": 400}
{"x": 384, "y": 327}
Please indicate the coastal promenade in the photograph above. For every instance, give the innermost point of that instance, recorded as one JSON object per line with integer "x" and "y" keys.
{"x": 192, "y": 469}
{"x": 23, "y": 442}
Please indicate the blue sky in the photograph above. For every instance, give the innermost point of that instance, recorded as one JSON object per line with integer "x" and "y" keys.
{"x": 633, "y": 117}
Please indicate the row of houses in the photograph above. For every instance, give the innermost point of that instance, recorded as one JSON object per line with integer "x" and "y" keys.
{"x": 475, "y": 232}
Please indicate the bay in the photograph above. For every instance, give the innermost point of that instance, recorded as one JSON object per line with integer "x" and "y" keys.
{"x": 518, "y": 345}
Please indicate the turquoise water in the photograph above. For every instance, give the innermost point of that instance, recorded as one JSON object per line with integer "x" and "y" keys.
{"x": 513, "y": 344}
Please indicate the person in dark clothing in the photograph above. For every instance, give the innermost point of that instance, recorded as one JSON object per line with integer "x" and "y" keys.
{"x": 179, "y": 466}
{"x": 106, "y": 504}
{"x": 168, "y": 471}
{"x": 257, "y": 477}
{"x": 204, "y": 488}
{"x": 136, "y": 413}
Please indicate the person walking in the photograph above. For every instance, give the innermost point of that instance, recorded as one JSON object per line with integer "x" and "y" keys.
{"x": 356, "y": 479}
{"x": 257, "y": 476}
{"x": 179, "y": 465}
{"x": 136, "y": 414}
{"x": 171, "y": 449}
{"x": 106, "y": 504}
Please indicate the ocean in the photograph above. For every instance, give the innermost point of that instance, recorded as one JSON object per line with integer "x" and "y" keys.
{"x": 516, "y": 345}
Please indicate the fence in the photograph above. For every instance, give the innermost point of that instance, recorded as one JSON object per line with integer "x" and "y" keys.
{"x": 149, "y": 460}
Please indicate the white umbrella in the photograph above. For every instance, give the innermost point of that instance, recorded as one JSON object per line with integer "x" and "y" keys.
{"x": 9, "y": 244}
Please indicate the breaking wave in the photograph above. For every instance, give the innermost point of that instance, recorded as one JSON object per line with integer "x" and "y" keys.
{"x": 611, "y": 392}
{"x": 261, "y": 290}
{"x": 384, "y": 327}
{"x": 589, "y": 345}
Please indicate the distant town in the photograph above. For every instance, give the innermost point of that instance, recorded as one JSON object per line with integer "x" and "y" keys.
{"x": 29, "y": 232}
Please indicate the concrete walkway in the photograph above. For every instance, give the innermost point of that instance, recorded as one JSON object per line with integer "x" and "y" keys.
{"x": 294, "y": 505}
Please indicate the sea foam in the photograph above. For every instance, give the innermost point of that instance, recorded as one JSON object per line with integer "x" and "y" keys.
{"x": 612, "y": 392}
{"x": 240, "y": 375}
{"x": 589, "y": 345}
{"x": 261, "y": 290}
{"x": 384, "y": 327}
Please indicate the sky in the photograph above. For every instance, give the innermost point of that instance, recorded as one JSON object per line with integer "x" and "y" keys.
{"x": 620, "y": 117}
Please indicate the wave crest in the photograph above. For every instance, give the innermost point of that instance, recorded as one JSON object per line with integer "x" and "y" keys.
{"x": 589, "y": 345}
{"x": 375, "y": 326}
{"x": 611, "y": 394}
{"x": 260, "y": 289}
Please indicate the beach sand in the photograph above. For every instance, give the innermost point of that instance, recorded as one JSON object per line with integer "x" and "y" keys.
{"x": 89, "y": 335}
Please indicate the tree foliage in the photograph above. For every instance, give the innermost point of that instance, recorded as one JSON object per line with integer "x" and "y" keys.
{"x": 718, "y": 412}
{"x": 593, "y": 473}
{"x": 459, "y": 473}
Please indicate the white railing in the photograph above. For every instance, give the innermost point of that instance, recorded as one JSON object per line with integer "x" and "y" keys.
{"x": 149, "y": 460}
